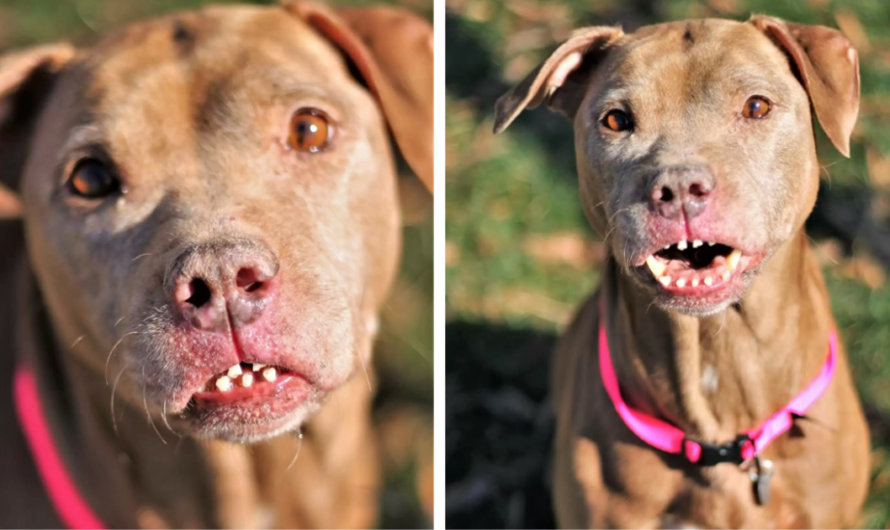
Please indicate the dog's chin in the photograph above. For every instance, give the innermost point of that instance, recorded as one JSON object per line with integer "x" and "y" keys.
{"x": 698, "y": 306}
{"x": 252, "y": 420}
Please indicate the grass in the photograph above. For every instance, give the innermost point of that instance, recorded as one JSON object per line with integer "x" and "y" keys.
{"x": 521, "y": 255}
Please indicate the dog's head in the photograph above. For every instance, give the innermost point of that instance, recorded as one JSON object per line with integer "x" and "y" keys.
{"x": 210, "y": 201}
{"x": 694, "y": 142}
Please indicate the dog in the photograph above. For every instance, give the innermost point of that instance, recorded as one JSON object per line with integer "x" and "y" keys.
{"x": 702, "y": 384}
{"x": 201, "y": 223}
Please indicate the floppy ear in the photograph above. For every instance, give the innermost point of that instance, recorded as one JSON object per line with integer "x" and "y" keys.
{"x": 393, "y": 51}
{"x": 25, "y": 79}
{"x": 829, "y": 70}
{"x": 560, "y": 79}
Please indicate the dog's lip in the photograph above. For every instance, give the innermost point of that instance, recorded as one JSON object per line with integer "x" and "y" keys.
{"x": 204, "y": 387}
{"x": 261, "y": 392}
{"x": 721, "y": 274}
{"x": 700, "y": 241}
{"x": 244, "y": 381}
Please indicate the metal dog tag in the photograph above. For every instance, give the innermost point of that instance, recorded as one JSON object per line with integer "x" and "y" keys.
{"x": 761, "y": 473}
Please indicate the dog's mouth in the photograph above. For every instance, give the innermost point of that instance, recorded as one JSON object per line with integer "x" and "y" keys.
{"x": 245, "y": 381}
{"x": 696, "y": 267}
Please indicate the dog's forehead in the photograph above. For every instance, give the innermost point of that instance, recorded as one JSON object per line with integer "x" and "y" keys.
{"x": 209, "y": 38}
{"x": 676, "y": 55}
{"x": 182, "y": 57}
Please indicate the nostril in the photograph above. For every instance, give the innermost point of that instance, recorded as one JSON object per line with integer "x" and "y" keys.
{"x": 665, "y": 195}
{"x": 698, "y": 190}
{"x": 200, "y": 293}
{"x": 248, "y": 280}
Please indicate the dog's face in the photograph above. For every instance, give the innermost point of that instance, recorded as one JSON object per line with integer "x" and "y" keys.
{"x": 211, "y": 211}
{"x": 695, "y": 147}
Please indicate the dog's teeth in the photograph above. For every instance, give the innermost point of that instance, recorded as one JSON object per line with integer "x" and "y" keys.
{"x": 695, "y": 282}
{"x": 224, "y": 384}
{"x": 696, "y": 243}
{"x": 247, "y": 380}
{"x": 726, "y": 275}
{"x": 681, "y": 283}
{"x": 656, "y": 266}
{"x": 709, "y": 281}
{"x": 682, "y": 245}
{"x": 666, "y": 247}
{"x": 711, "y": 243}
{"x": 234, "y": 371}
{"x": 665, "y": 280}
{"x": 732, "y": 260}
{"x": 258, "y": 366}
{"x": 270, "y": 374}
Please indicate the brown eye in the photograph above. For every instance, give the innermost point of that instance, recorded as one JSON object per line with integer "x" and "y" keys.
{"x": 310, "y": 130}
{"x": 91, "y": 179}
{"x": 756, "y": 107}
{"x": 617, "y": 120}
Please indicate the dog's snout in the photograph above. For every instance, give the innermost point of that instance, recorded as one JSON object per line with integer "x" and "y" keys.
{"x": 679, "y": 189}
{"x": 215, "y": 282}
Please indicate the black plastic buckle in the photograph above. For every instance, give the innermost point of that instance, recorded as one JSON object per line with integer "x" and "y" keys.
{"x": 729, "y": 452}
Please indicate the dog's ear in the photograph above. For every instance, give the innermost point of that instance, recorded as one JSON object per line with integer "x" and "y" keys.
{"x": 829, "y": 70}
{"x": 560, "y": 79}
{"x": 393, "y": 51}
{"x": 25, "y": 79}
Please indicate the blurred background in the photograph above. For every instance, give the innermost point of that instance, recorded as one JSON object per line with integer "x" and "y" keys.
{"x": 403, "y": 407}
{"x": 521, "y": 256}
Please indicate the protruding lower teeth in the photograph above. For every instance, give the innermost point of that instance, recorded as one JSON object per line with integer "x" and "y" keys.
{"x": 247, "y": 380}
{"x": 234, "y": 371}
{"x": 709, "y": 281}
{"x": 681, "y": 283}
{"x": 270, "y": 374}
{"x": 726, "y": 275}
{"x": 665, "y": 280}
{"x": 224, "y": 383}
{"x": 656, "y": 266}
{"x": 732, "y": 261}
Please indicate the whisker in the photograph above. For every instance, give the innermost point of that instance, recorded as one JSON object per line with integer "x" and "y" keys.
{"x": 365, "y": 369}
{"x": 77, "y": 341}
{"x": 121, "y": 319}
{"x": 167, "y": 422}
{"x": 299, "y": 446}
{"x": 141, "y": 256}
{"x": 389, "y": 334}
{"x": 147, "y": 413}
{"x": 113, "y": 390}
{"x": 112, "y": 352}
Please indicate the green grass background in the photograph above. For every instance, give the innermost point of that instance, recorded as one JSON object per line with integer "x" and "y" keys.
{"x": 403, "y": 356}
{"x": 521, "y": 256}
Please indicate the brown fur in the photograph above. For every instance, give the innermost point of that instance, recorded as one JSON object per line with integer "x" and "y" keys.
{"x": 193, "y": 110}
{"x": 685, "y": 83}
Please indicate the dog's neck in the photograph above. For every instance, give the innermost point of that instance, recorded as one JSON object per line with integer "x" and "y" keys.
{"x": 131, "y": 478}
{"x": 699, "y": 372}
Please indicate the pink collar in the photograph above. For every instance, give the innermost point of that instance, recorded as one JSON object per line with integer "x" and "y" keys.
{"x": 71, "y": 508}
{"x": 748, "y": 444}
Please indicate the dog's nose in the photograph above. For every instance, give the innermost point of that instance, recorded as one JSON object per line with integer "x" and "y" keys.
{"x": 682, "y": 188}
{"x": 217, "y": 281}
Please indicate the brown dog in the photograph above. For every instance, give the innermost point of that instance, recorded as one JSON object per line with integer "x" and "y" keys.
{"x": 211, "y": 221}
{"x": 697, "y": 161}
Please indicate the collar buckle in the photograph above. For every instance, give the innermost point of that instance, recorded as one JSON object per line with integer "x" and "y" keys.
{"x": 729, "y": 452}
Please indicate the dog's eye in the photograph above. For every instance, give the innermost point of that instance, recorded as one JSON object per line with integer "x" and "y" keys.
{"x": 91, "y": 179}
{"x": 310, "y": 130}
{"x": 756, "y": 107}
{"x": 617, "y": 120}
